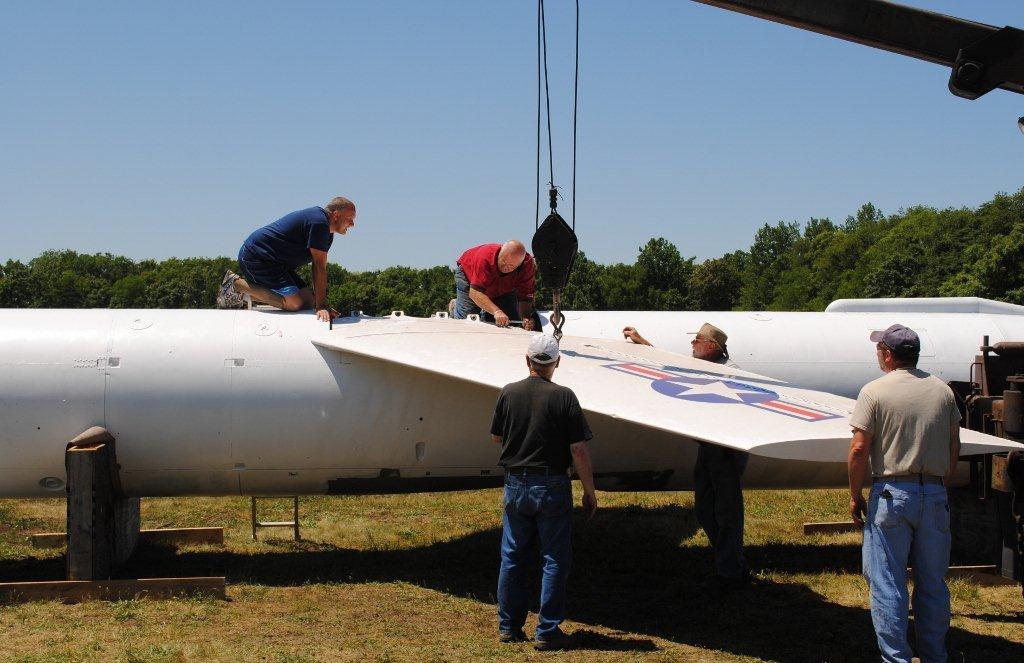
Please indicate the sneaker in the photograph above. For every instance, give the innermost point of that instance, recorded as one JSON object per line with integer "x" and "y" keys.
{"x": 556, "y": 641}
{"x": 226, "y": 295}
{"x": 451, "y": 308}
{"x": 514, "y": 636}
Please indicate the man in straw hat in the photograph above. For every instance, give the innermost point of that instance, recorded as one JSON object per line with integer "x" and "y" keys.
{"x": 717, "y": 486}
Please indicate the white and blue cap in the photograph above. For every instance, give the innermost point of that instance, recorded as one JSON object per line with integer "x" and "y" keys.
{"x": 543, "y": 349}
{"x": 901, "y": 340}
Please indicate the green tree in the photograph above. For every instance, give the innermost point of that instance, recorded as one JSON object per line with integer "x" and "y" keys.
{"x": 17, "y": 286}
{"x": 769, "y": 257}
{"x": 715, "y": 284}
{"x": 664, "y": 276}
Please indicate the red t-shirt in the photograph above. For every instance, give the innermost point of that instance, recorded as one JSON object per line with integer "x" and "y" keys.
{"x": 481, "y": 267}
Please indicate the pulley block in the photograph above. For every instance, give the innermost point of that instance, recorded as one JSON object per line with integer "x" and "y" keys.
{"x": 555, "y": 248}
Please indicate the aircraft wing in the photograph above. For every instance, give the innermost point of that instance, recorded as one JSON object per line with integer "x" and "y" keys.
{"x": 647, "y": 386}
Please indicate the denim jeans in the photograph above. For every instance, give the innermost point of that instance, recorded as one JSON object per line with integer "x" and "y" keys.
{"x": 908, "y": 522}
{"x": 536, "y": 507}
{"x": 718, "y": 503}
{"x": 509, "y": 302}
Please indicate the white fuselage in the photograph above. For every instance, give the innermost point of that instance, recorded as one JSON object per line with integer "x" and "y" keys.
{"x": 207, "y": 402}
{"x": 827, "y": 351}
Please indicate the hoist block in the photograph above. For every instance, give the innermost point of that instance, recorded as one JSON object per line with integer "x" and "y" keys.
{"x": 554, "y": 248}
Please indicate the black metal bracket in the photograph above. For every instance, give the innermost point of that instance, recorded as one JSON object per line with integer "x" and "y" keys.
{"x": 993, "y": 61}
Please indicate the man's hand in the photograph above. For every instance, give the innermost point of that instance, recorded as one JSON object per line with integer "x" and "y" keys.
{"x": 589, "y": 504}
{"x": 500, "y": 318}
{"x": 528, "y": 324}
{"x": 631, "y": 334}
{"x": 326, "y": 314}
{"x": 858, "y": 509}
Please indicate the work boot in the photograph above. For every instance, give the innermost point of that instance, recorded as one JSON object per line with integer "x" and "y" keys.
{"x": 514, "y": 636}
{"x": 555, "y": 641}
{"x": 227, "y": 297}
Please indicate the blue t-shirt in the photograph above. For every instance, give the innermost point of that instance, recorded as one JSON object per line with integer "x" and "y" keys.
{"x": 288, "y": 240}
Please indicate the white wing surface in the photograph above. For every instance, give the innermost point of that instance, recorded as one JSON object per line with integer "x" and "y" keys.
{"x": 646, "y": 386}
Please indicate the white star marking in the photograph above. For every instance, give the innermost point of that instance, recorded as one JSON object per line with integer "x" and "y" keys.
{"x": 716, "y": 388}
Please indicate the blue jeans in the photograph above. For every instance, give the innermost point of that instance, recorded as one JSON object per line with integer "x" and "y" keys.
{"x": 908, "y": 522}
{"x": 718, "y": 503}
{"x": 536, "y": 507}
{"x": 509, "y": 302}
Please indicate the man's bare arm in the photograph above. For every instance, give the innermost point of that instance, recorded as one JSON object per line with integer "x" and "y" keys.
{"x": 581, "y": 461}
{"x": 323, "y": 311}
{"x": 858, "y": 466}
{"x": 954, "y": 452}
{"x": 485, "y": 303}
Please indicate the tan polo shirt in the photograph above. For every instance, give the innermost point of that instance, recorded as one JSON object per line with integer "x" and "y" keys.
{"x": 909, "y": 413}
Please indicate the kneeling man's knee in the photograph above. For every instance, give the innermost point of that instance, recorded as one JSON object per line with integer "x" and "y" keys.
{"x": 292, "y": 303}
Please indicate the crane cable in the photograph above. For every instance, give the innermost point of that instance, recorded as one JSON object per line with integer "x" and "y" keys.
{"x": 554, "y": 242}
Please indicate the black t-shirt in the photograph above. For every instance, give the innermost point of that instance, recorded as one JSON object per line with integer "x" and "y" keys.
{"x": 537, "y": 421}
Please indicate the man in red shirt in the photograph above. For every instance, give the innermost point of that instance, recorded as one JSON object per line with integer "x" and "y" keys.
{"x": 496, "y": 281}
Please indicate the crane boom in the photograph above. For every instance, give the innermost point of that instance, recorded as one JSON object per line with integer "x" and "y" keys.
{"x": 982, "y": 57}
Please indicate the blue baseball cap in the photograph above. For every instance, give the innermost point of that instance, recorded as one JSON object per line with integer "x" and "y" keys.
{"x": 901, "y": 340}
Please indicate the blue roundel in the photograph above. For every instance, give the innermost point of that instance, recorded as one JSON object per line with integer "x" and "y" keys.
{"x": 710, "y": 390}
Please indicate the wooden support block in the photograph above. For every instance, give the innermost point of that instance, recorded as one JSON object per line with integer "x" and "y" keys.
{"x": 49, "y": 540}
{"x": 74, "y": 591}
{"x": 986, "y": 576}
{"x": 157, "y": 537}
{"x": 103, "y": 524}
{"x": 90, "y": 512}
{"x": 831, "y": 528}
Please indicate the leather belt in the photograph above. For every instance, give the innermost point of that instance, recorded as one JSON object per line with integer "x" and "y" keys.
{"x": 918, "y": 477}
{"x": 523, "y": 471}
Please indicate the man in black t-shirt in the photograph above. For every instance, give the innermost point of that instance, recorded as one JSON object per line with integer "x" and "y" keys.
{"x": 542, "y": 430}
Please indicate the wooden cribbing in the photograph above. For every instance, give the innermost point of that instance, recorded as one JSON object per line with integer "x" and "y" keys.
{"x": 831, "y": 528}
{"x": 74, "y": 591}
{"x": 987, "y": 576}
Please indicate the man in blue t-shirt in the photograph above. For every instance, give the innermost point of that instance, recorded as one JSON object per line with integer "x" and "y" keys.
{"x": 270, "y": 255}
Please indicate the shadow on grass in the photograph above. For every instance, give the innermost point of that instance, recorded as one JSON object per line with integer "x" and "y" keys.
{"x": 593, "y": 641}
{"x": 1010, "y": 618}
{"x": 630, "y": 574}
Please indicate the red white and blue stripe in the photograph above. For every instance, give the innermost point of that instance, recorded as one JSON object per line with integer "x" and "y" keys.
{"x": 715, "y": 389}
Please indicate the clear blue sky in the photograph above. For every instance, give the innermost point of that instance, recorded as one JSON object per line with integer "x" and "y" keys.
{"x": 157, "y": 129}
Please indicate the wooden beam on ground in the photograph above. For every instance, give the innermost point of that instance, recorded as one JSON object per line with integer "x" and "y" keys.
{"x": 831, "y": 528}
{"x": 160, "y": 537}
{"x": 987, "y": 576}
{"x": 49, "y": 540}
{"x": 75, "y": 591}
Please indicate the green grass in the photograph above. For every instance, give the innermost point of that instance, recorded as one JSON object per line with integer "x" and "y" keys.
{"x": 412, "y": 578}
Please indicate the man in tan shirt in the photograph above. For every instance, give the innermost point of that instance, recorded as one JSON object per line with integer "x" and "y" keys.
{"x": 906, "y": 433}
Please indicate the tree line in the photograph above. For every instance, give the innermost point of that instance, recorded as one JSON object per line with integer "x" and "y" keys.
{"x": 918, "y": 252}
